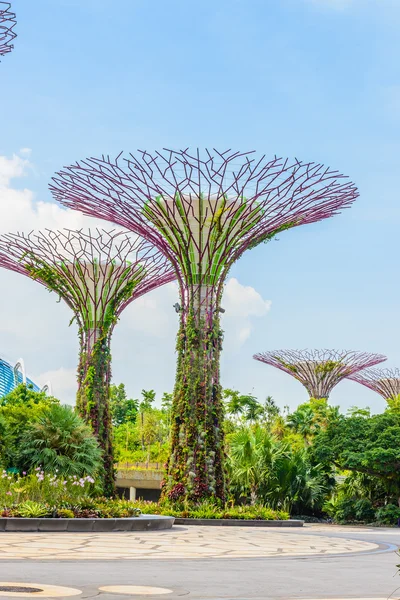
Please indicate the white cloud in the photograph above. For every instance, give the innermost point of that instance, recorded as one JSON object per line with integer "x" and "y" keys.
{"x": 63, "y": 383}
{"x": 153, "y": 313}
{"x": 21, "y": 211}
{"x": 35, "y": 325}
{"x": 241, "y": 304}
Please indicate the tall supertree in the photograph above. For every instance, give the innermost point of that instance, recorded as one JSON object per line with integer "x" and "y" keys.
{"x": 385, "y": 382}
{"x": 202, "y": 212}
{"x": 7, "y": 24}
{"x": 97, "y": 274}
{"x": 319, "y": 370}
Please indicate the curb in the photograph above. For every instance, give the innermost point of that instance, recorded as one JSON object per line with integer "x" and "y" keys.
{"x": 142, "y": 523}
{"x": 240, "y": 522}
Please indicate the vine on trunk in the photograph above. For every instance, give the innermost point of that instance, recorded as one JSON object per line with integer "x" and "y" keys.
{"x": 196, "y": 467}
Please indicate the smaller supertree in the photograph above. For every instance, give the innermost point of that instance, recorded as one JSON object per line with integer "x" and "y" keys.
{"x": 385, "y": 382}
{"x": 7, "y": 24}
{"x": 97, "y": 275}
{"x": 319, "y": 370}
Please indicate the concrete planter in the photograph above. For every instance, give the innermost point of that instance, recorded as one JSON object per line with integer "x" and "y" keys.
{"x": 142, "y": 523}
{"x": 240, "y": 522}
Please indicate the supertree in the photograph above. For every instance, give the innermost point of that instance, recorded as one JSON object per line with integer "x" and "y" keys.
{"x": 319, "y": 370}
{"x": 7, "y": 24}
{"x": 385, "y": 382}
{"x": 202, "y": 212}
{"x": 97, "y": 274}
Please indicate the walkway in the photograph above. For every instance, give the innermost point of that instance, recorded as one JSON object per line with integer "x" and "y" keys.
{"x": 213, "y": 563}
{"x": 180, "y": 542}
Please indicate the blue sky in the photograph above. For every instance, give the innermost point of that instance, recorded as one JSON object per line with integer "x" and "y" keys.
{"x": 315, "y": 79}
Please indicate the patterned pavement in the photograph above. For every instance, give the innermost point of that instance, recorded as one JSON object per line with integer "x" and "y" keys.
{"x": 192, "y": 542}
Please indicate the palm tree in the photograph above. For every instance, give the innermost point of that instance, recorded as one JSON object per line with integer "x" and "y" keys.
{"x": 252, "y": 458}
{"x": 302, "y": 421}
{"x": 296, "y": 482}
{"x": 149, "y": 397}
{"x": 242, "y": 405}
{"x": 61, "y": 442}
{"x": 279, "y": 427}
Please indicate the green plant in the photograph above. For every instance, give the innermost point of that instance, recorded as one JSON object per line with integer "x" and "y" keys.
{"x": 388, "y": 515}
{"x": 44, "y": 488}
{"x": 61, "y": 442}
{"x": 65, "y": 513}
{"x": 19, "y": 410}
{"x": 32, "y": 510}
{"x": 347, "y": 509}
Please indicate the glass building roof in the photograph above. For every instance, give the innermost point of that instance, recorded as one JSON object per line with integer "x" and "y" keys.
{"x": 11, "y": 376}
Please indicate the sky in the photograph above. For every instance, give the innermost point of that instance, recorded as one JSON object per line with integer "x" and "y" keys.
{"x": 314, "y": 79}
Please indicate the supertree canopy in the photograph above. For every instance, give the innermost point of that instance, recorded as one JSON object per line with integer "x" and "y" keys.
{"x": 202, "y": 212}
{"x": 319, "y": 370}
{"x": 7, "y": 24}
{"x": 385, "y": 382}
{"x": 97, "y": 274}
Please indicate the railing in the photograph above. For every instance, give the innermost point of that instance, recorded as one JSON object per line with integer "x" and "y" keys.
{"x": 157, "y": 466}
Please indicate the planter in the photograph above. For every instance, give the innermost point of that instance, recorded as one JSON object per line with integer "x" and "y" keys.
{"x": 142, "y": 523}
{"x": 240, "y": 522}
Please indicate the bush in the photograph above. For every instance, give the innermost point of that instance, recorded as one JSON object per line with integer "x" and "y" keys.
{"x": 347, "y": 510}
{"x": 61, "y": 442}
{"x": 211, "y": 510}
{"x": 388, "y": 515}
{"x": 84, "y": 508}
{"x": 44, "y": 488}
{"x": 18, "y": 411}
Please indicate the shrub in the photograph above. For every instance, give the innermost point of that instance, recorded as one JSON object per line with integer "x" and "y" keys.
{"x": 65, "y": 513}
{"x": 32, "y": 510}
{"x": 346, "y": 509}
{"x": 210, "y": 510}
{"x": 42, "y": 487}
{"x": 388, "y": 515}
{"x": 61, "y": 442}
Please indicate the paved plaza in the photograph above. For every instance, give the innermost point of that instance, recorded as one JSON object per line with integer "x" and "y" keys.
{"x": 180, "y": 543}
{"x": 206, "y": 563}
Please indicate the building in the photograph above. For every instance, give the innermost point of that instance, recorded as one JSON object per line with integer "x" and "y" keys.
{"x": 12, "y": 376}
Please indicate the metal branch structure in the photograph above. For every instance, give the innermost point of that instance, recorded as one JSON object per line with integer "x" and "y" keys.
{"x": 319, "y": 370}
{"x": 385, "y": 382}
{"x": 7, "y": 24}
{"x": 97, "y": 273}
{"x": 203, "y": 211}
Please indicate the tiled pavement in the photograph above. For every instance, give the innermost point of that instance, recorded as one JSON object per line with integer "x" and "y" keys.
{"x": 180, "y": 542}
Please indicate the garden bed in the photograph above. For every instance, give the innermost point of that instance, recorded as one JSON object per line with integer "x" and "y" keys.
{"x": 140, "y": 523}
{"x": 241, "y": 522}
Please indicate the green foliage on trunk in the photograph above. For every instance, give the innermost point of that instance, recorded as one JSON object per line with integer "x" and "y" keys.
{"x": 196, "y": 469}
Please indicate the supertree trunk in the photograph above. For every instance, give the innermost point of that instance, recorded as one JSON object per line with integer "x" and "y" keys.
{"x": 196, "y": 468}
{"x": 93, "y": 396}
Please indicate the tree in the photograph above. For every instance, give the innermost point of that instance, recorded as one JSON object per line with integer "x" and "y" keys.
{"x": 18, "y": 411}
{"x": 302, "y": 421}
{"x": 149, "y": 397}
{"x": 368, "y": 445}
{"x": 296, "y": 484}
{"x": 242, "y": 405}
{"x": 270, "y": 471}
{"x": 252, "y": 457}
{"x": 271, "y": 409}
{"x": 123, "y": 409}
{"x": 61, "y": 442}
